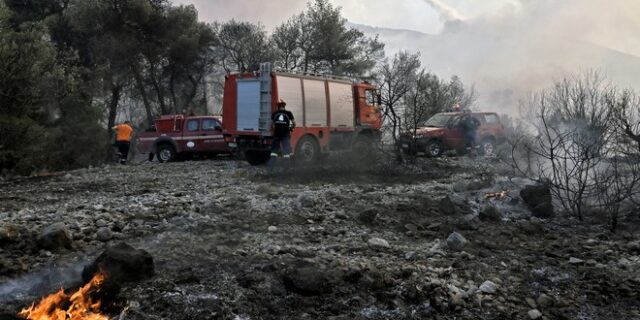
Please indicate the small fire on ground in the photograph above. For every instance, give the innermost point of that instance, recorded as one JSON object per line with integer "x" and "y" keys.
{"x": 497, "y": 195}
{"x": 63, "y": 306}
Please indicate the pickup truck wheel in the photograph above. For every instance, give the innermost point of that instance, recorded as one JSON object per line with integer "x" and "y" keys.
{"x": 433, "y": 149}
{"x": 166, "y": 153}
{"x": 488, "y": 147}
{"x": 256, "y": 157}
{"x": 307, "y": 150}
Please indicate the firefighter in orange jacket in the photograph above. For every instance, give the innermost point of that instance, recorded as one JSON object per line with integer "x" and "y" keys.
{"x": 124, "y": 132}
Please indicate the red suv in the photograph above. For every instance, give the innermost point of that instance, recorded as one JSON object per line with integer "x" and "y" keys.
{"x": 446, "y": 131}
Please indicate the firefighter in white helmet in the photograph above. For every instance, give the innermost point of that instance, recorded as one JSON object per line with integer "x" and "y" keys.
{"x": 282, "y": 123}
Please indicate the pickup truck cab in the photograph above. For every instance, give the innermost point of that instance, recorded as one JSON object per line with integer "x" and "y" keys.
{"x": 174, "y": 136}
{"x": 445, "y": 131}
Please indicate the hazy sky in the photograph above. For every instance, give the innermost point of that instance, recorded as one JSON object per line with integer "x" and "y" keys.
{"x": 504, "y": 47}
{"x": 403, "y": 14}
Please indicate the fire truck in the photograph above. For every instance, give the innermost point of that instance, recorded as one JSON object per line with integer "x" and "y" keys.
{"x": 331, "y": 113}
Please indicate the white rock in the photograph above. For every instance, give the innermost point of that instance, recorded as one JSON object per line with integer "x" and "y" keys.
{"x": 573, "y": 260}
{"x": 273, "y": 229}
{"x": 379, "y": 242}
{"x": 488, "y": 287}
{"x": 534, "y": 314}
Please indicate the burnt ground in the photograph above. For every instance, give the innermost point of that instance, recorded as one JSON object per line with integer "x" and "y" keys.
{"x": 232, "y": 241}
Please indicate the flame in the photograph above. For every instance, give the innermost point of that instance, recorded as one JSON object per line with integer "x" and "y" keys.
{"x": 79, "y": 305}
{"x": 497, "y": 195}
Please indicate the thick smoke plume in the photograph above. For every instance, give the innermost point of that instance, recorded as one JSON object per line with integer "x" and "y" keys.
{"x": 447, "y": 12}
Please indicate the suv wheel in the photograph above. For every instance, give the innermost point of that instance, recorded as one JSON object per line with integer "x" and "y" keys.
{"x": 488, "y": 147}
{"x": 434, "y": 148}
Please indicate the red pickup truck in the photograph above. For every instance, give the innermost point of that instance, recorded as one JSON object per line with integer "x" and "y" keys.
{"x": 174, "y": 136}
{"x": 445, "y": 131}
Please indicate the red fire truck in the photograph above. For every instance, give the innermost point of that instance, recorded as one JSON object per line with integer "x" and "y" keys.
{"x": 331, "y": 114}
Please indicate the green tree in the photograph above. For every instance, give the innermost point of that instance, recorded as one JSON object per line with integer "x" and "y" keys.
{"x": 245, "y": 45}
{"x": 318, "y": 40}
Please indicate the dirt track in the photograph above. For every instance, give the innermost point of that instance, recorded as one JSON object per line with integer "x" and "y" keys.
{"x": 235, "y": 242}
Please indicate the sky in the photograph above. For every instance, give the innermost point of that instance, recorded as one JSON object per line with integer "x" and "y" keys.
{"x": 400, "y": 14}
{"x": 505, "y": 48}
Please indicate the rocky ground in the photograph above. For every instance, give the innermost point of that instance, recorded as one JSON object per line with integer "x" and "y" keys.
{"x": 231, "y": 241}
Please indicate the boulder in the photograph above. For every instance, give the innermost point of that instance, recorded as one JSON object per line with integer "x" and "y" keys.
{"x": 456, "y": 241}
{"x": 469, "y": 222}
{"x": 306, "y": 200}
{"x": 55, "y": 237}
{"x": 368, "y": 215}
{"x": 378, "y": 243}
{"x": 544, "y": 301}
{"x": 104, "y": 234}
{"x": 488, "y": 287}
{"x": 307, "y": 280}
{"x": 122, "y": 263}
{"x": 490, "y": 213}
{"x": 534, "y": 314}
{"x": 450, "y": 205}
{"x": 538, "y": 198}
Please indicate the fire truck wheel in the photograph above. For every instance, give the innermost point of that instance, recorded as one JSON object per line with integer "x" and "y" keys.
{"x": 363, "y": 148}
{"x": 307, "y": 150}
{"x": 166, "y": 153}
{"x": 433, "y": 149}
{"x": 256, "y": 158}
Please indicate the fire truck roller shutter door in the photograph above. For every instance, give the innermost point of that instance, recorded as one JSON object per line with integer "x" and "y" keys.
{"x": 341, "y": 100}
{"x": 290, "y": 90}
{"x": 315, "y": 103}
{"x": 248, "y": 105}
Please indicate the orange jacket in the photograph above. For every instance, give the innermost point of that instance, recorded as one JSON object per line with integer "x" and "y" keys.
{"x": 123, "y": 132}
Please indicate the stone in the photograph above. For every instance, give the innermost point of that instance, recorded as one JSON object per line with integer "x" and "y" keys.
{"x": 104, "y": 234}
{"x": 534, "y": 314}
{"x": 379, "y": 243}
{"x": 531, "y": 303}
{"x": 272, "y": 229}
{"x": 488, "y": 287}
{"x": 538, "y": 198}
{"x": 55, "y": 237}
{"x": 306, "y": 200}
{"x": 307, "y": 280}
{"x": 450, "y": 205}
{"x": 573, "y": 260}
{"x": 469, "y": 222}
{"x": 101, "y": 223}
{"x": 544, "y": 301}
{"x": 490, "y": 213}
{"x": 368, "y": 215}
{"x": 456, "y": 241}
{"x": 8, "y": 234}
{"x": 122, "y": 263}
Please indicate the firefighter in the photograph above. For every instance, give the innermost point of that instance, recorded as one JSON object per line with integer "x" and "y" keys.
{"x": 470, "y": 125}
{"x": 124, "y": 132}
{"x": 282, "y": 123}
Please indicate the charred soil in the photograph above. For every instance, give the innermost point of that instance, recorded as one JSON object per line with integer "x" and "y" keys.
{"x": 232, "y": 241}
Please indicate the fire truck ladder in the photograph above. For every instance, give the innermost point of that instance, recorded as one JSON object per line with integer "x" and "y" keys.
{"x": 265, "y": 99}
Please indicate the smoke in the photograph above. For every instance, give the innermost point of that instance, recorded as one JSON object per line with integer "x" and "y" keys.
{"x": 448, "y": 13}
{"x": 527, "y": 44}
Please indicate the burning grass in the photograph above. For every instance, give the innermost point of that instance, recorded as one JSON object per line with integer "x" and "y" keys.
{"x": 62, "y": 306}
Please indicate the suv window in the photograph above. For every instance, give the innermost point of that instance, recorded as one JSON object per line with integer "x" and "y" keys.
{"x": 492, "y": 118}
{"x": 192, "y": 125}
{"x": 210, "y": 124}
